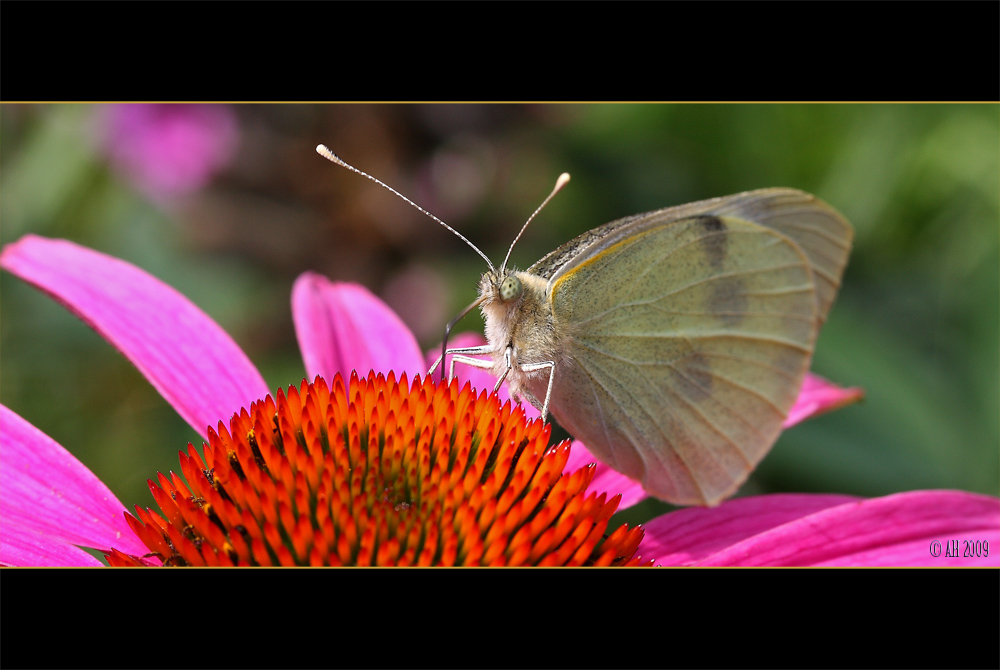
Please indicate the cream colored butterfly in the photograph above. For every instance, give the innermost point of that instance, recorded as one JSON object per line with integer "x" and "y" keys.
{"x": 672, "y": 343}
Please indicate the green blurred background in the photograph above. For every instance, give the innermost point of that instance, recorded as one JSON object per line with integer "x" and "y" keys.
{"x": 916, "y": 323}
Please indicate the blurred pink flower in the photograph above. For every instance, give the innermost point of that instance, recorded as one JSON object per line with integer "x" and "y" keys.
{"x": 50, "y": 503}
{"x": 169, "y": 149}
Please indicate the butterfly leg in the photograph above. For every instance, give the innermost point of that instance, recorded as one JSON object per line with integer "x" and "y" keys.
{"x": 551, "y": 365}
{"x": 475, "y": 362}
{"x": 507, "y": 367}
{"x": 468, "y": 360}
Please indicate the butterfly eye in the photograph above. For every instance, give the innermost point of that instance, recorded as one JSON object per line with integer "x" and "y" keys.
{"x": 510, "y": 288}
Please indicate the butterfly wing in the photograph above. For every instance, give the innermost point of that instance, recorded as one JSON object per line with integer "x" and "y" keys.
{"x": 821, "y": 232}
{"x": 684, "y": 345}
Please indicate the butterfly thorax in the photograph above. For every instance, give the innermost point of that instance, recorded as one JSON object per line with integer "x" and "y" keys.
{"x": 518, "y": 316}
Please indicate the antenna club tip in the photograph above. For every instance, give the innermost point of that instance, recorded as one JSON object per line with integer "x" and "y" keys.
{"x": 325, "y": 152}
{"x": 563, "y": 180}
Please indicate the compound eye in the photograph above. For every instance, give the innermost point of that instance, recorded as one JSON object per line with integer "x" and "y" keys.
{"x": 510, "y": 288}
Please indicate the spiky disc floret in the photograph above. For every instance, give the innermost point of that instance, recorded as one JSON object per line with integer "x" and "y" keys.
{"x": 380, "y": 473}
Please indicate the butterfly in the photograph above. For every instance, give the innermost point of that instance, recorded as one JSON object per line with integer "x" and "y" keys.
{"x": 672, "y": 343}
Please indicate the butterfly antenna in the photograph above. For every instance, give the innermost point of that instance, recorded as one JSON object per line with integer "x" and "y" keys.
{"x": 323, "y": 151}
{"x": 562, "y": 181}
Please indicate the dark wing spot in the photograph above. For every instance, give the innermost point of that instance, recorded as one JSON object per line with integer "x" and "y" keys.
{"x": 728, "y": 300}
{"x": 714, "y": 239}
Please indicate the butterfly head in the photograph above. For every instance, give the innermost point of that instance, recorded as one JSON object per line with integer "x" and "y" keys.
{"x": 510, "y": 288}
{"x": 514, "y": 306}
{"x": 501, "y": 288}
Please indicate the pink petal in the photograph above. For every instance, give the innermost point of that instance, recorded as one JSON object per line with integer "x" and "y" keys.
{"x": 183, "y": 353}
{"x": 22, "y": 547}
{"x": 49, "y": 501}
{"x": 819, "y": 396}
{"x": 897, "y": 530}
{"x": 605, "y": 478}
{"x": 689, "y": 536}
{"x": 343, "y": 327}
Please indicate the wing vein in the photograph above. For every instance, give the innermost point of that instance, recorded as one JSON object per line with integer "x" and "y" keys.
{"x": 729, "y": 410}
{"x": 652, "y": 419}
